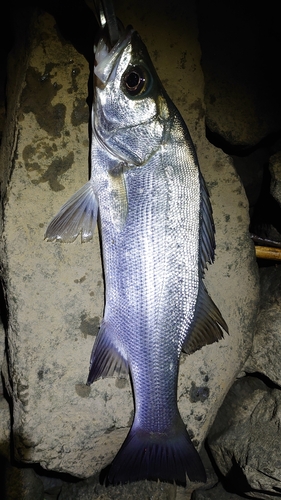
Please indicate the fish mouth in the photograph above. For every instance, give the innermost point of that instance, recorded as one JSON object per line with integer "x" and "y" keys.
{"x": 106, "y": 58}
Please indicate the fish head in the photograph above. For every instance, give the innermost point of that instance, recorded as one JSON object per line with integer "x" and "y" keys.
{"x": 129, "y": 108}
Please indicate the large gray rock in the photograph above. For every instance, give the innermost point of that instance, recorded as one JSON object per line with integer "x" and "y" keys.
{"x": 245, "y": 438}
{"x": 55, "y": 292}
{"x": 265, "y": 353}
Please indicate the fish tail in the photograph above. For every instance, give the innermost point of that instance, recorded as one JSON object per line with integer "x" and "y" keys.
{"x": 168, "y": 457}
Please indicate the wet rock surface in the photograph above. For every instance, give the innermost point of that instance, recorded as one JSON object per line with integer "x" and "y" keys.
{"x": 53, "y": 294}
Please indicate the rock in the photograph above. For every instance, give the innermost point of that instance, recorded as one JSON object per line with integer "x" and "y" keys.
{"x": 245, "y": 439}
{"x": 250, "y": 169}
{"x": 5, "y": 421}
{"x": 5, "y": 429}
{"x": 275, "y": 170}
{"x": 216, "y": 493}
{"x": 70, "y": 488}
{"x": 54, "y": 292}
{"x": 22, "y": 483}
{"x": 265, "y": 354}
{"x": 46, "y": 330}
{"x": 242, "y": 103}
{"x": 2, "y": 351}
{"x": 89, "y": 489}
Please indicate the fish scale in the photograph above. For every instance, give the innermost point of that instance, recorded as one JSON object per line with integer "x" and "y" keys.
{"x": 145, "y": 260}
{"x": 157, "y": 235}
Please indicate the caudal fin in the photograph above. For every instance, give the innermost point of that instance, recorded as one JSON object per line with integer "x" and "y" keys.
{"x": 167, "y": 457}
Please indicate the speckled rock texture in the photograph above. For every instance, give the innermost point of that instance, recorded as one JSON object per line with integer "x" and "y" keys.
{"x": 54, "y": 292}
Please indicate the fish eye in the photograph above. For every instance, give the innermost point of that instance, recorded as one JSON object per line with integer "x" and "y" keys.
{"x": 134, "y": 80}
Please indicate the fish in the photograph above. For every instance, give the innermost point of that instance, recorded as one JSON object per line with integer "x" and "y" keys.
{"x": 157, "y": 232}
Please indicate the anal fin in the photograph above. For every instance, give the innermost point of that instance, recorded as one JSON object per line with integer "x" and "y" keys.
{"x": 208, "y": 324}
{"x": 106, "y": 360}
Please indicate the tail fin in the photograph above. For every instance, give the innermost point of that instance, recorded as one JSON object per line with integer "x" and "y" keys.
{"x": 147, "y": 455}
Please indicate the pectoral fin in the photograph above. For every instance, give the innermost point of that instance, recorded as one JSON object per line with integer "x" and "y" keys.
{"x": 207, "y": 324}
{"x": 77, "y": 215}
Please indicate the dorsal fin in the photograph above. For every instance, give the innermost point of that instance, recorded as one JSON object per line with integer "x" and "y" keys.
{"x": 207, "y": 233}
{"x": 207, "y": 323}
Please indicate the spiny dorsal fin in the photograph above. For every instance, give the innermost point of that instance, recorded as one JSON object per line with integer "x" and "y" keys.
{"x": 207, "y": 323}
{"x": 207, "y": 232}
{"x": 106, "y": 360}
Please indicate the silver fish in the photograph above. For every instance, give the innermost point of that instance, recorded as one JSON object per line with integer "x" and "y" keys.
{"x": 157, "y": 235}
